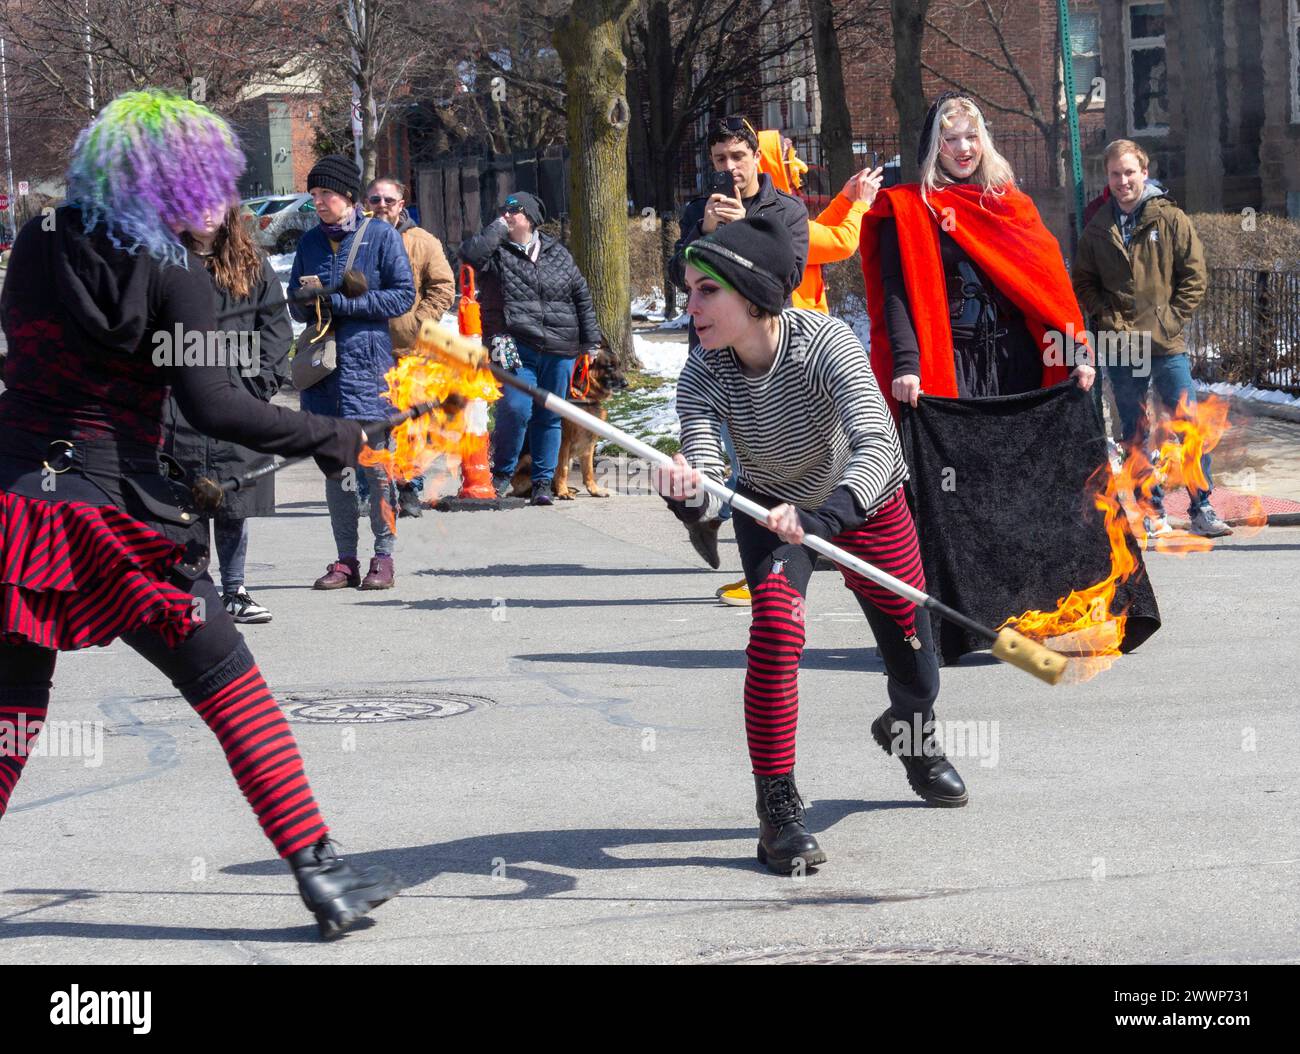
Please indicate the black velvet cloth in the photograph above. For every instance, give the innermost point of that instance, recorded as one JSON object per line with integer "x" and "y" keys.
{"x": 1003, "y": 515}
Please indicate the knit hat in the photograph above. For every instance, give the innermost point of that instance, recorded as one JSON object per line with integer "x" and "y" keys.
{"x": 755, "y": 257}
{"x": 531, "y": 206}
{"x": 336, "y": 172}
{"x": 932, "y": 115}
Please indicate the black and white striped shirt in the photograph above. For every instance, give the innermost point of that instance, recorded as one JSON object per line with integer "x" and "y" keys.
{"x": 814, "y": 422}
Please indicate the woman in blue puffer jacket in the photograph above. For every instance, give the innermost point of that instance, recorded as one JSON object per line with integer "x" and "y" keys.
{"x": 356, "y": 389}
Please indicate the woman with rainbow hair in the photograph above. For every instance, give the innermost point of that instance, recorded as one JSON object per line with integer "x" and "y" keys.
{"x": 96, "y": 541}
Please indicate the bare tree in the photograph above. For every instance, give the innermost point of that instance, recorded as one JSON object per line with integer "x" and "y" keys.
{"x": 690, "y": 58}
{"x": 70, "y": 57}
{"x": 908, "y": 19}
{"x": 589, "y": 39}
{"x": 993, "y": 20}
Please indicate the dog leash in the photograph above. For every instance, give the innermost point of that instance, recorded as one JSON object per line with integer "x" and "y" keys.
{"x": 581, "y": 375}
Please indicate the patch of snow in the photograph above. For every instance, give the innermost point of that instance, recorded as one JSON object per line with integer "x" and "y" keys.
{"x": 682, "y": 321}
{"x": 662, "y": 358}
{"x": 1249, "y": 391}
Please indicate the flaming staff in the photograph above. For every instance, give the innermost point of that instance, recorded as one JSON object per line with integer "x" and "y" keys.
{"x": 1008, "y": 645}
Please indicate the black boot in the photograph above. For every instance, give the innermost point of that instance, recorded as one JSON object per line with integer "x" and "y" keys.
{"x": 929, "y": 773}
{"x": 783, "y": 840}
{"x": 334, "y": 891}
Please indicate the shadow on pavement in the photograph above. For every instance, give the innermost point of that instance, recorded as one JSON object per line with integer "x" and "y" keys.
{"x": 858, "y": 659}
{"x": 576, "y": 850}
{"x": 542, "y": 570}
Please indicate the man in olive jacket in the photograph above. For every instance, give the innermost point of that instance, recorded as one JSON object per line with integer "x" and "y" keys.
{"x": 1140, "y": 271}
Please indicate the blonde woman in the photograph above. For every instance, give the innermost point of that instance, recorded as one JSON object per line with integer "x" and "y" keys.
{"x": 964, "y": 282}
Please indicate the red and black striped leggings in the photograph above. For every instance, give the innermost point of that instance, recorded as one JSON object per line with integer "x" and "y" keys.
{"x": 215, "y": 672}
{"x": 778, "y": 575}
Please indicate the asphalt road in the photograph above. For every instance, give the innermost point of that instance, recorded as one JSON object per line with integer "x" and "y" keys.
{"x": 585, "y": 795}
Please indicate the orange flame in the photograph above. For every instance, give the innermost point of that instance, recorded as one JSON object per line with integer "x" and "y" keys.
{"x": 1084, "y": 624}
{"x": 425, "y": 377}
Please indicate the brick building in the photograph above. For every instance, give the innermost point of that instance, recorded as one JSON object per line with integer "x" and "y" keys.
{"x": 963, "y": 50}
{"x": 1210, "y": 90}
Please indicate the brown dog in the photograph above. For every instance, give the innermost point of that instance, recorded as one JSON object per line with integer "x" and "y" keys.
{"x": 604, "y": 377}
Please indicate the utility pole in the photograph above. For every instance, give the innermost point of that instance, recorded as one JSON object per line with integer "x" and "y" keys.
{"x": 9, "y": 157}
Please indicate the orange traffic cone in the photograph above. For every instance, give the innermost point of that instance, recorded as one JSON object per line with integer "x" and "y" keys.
{"x": 475, "y": 474}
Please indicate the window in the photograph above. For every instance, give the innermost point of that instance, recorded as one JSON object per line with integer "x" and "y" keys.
{"x": 1148, "y": 89}
{"x": 1085, "y": 56}
{"x": 1293, "y": 41}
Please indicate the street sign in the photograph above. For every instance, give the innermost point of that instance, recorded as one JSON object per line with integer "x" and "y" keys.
{"x": 4, "y": 202}
{"x": 23, "y": 188}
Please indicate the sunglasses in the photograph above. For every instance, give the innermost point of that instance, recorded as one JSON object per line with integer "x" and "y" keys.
{"x": 375, "y": 199}
{"x": 736, "y": 124}
{"x": 513, "y": 210}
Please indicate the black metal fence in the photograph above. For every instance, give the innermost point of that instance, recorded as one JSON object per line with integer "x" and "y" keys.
{"x": 1247, "y": 329}
{"x": 457, "y": 196}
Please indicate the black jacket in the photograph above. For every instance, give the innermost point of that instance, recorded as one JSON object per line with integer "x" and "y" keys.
{"x": 221, "y": 459}
{"x": 545, "y": 305}
{"x": 90, "y": 327}
{"x": 777, "y": 204}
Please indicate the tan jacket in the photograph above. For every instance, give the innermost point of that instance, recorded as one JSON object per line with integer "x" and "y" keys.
{"x": 1154, "y": 285}
{"x": 435, "y": 288}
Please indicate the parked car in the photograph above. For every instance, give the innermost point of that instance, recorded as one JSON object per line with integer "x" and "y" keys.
{"x": 281, "y": 220}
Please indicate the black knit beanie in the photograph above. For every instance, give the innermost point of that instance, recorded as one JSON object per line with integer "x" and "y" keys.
{"x": 531, "y": 206}
{"x": 338, "y": 173}
{"x": 927, "y": 129}
{"x": 755, "y": 257}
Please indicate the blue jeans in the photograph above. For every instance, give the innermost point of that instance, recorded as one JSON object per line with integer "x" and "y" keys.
{"x": 734, "y": 479}
{"x": 518, "y": 415}
{"x": 1172, "y": 376}
{"x": 232, "y": 549}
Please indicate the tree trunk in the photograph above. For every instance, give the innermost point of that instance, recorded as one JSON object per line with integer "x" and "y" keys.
{"x": 589, "y": 41}
{"x": 663, "y": 156}
{"x": 836, "y": 124}
{"x": 908, "y": 17}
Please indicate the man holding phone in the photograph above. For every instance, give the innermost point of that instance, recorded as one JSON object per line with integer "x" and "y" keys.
{"x": 738, "y": 190}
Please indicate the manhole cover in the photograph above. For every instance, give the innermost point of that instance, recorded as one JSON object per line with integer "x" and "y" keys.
{"x": 899, "y": 955}
{"x": 374, "y": 709}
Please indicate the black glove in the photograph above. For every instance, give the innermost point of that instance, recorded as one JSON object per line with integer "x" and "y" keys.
{"x": 342, "y": 450}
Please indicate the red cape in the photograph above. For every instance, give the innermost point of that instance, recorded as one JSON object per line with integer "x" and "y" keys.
{"x": 1005, "y": 237}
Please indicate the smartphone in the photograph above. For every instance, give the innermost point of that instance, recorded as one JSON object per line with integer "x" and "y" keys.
{"x": 720, "y": 183}
{"x": 872, "y": 158}
{"x": 310, "y": 280}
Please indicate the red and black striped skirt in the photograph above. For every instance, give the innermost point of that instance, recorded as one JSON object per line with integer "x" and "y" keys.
{"x": 75, "y": 575}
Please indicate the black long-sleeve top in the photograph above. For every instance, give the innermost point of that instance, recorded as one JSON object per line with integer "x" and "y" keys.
{"x": 97, "y": 337}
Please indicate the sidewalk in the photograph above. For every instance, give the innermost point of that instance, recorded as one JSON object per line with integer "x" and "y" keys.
{"x": 1258, "y": 460}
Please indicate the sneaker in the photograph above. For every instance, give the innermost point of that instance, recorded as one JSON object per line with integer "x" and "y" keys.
{"x": 1157, "y": 527}
{"x": 503, "y": 485}
{"x": 380, "y": 575}
{"x": 339, "y": 574}
{"x": 737, "y": 596}
{"x": 1206, "y": 523}
{"x": 542, "y": 494}
{"x": 244, "y": 609}
{"x": 742, "y": 584}
{"x": 408, "y": 501}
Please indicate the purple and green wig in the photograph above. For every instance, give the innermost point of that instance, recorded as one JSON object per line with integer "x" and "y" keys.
{"x": 150, "y": 161}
